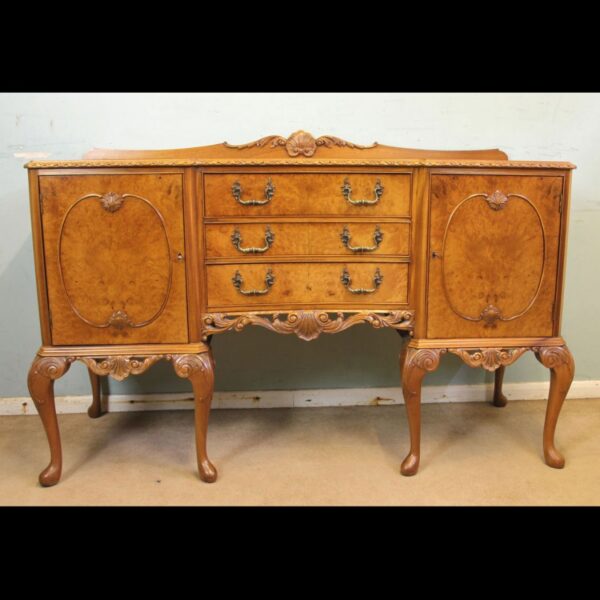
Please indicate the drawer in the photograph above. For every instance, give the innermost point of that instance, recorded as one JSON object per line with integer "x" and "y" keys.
{"x": 314, "y": 284}
{"x": 239, "y": 240}
{"x": 272, "y": 194}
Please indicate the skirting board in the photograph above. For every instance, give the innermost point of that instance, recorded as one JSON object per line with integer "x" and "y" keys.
{"x": 536, "y": 390}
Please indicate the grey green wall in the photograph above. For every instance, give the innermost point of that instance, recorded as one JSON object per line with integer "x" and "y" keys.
{"x": 526, "y": 126}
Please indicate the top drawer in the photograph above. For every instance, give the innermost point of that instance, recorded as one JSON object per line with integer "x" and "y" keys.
{"x": 303, "y": 194}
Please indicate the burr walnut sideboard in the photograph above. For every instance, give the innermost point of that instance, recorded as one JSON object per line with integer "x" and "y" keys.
{"x": 143, "y": 256}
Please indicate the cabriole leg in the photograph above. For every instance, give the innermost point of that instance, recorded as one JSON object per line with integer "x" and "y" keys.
{"x": 499, "y": 397}
{"x": 40, "y": 381}
{"x": 414, "y": 364}
{"x": 199, "y": 369}
{"x": 562, "y": 370}
{"x": 95, "y": 409}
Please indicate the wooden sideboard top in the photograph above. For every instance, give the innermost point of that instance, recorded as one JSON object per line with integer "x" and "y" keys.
{"x": 215, "y": 162}
{"x": 299, "y": 149}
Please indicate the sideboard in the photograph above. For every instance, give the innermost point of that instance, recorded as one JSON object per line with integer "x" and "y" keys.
{"x": 142, "y": 256}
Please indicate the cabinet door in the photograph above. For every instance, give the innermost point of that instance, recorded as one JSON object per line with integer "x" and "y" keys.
{"x": 493, "y": 255}
{"x": 111, "y": 246}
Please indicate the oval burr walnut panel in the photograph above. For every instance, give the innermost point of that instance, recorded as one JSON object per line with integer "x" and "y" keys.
{"x": 305, "y": 194}
{"x": 292, "y": 285}
{"x": 84, "y": 260}
{"x": 473, "y": 236}
{"x": 493, "y": 255}
{"x": 249, "y": 240}
{"x": 114, "y": 247}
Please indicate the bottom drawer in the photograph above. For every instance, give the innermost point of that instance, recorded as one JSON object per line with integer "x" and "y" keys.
{"x": 314, "y": 284}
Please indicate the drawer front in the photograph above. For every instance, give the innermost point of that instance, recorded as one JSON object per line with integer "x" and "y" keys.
{"x": 273, "y": 194}
{"x": 239, "y": 240}
{"x": 313, "y": 284}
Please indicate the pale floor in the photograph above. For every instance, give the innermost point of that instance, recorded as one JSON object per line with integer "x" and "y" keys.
{"x": 472, "y": 454}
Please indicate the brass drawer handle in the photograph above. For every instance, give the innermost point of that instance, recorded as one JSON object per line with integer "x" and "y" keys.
{"x": 377, "y": 237}
{"x": 347, "y": 192}
{"x": 236, "y": 190}
{"x": 236, "y": 238}
{"x": 347, "y": 282}
{"x": 238, "y": 281}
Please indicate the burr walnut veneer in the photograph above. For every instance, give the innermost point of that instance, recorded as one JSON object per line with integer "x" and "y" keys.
{"x": 143, "y": 256}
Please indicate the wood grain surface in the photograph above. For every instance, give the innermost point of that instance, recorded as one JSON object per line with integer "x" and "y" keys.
{"x": 100, "y": 263}
{"x": 306, "y": 194}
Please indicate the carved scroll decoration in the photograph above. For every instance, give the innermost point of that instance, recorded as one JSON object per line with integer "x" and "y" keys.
{"x": 426, "y": 359}
{"x": 186, "y": 365}
{"x": 306, "y": 324}
{"x": 119, "y": 319}
{"x": 118, "y": 367}
{"x": 554, "y": 356}
{"x": 489, "y": 358}
{"x": 491, "y": 314}
{"x": 300, "y": 143}
{"x": 52, "y": 367}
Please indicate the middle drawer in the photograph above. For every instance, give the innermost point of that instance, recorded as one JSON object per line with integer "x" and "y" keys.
{"x": 236, "y": 240}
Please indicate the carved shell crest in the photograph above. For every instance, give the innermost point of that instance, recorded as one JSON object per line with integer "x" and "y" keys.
{"x": 300, "y": 143}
